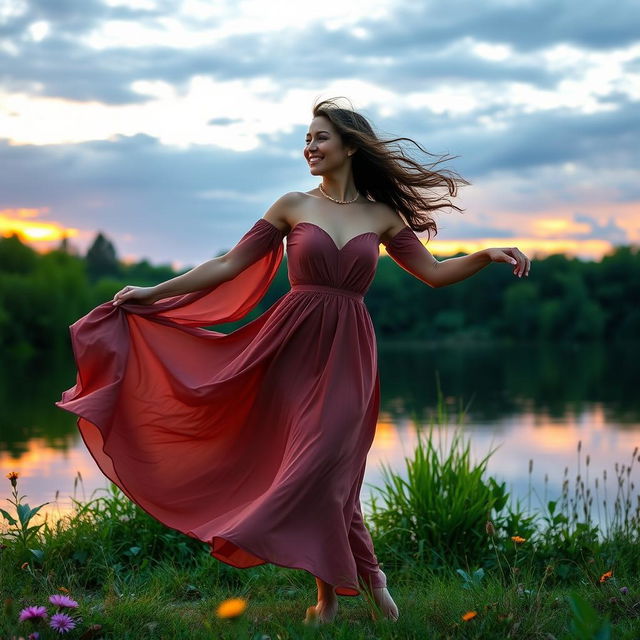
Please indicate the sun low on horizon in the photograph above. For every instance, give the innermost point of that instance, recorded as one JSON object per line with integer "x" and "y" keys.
{"x": 172, "y": 127}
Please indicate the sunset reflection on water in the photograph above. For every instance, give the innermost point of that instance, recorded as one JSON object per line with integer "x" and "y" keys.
{"x": 549, "y": 441}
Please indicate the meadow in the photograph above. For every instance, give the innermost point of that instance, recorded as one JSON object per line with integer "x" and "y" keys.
{"x": 463, "y": 560}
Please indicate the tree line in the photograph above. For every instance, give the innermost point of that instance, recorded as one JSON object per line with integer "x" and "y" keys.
{"x": 563, "y": 299}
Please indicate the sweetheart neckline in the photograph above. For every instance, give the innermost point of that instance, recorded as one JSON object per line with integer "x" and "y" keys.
{"x": 313, "y": 224}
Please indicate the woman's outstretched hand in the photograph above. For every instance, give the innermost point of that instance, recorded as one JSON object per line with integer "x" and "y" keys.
{"x": 513, "y": 256}
{"x": 137, "y": 295}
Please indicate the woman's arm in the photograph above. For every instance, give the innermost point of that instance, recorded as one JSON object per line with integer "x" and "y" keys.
{"x": 212, "y": 272}
{"x": 454, "y": 270}
{"x": 208, "y": 274}
{"x": 407, "y": 250}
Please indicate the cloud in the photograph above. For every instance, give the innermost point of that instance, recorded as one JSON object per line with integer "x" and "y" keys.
{"x": 609, "y": 231}
{"x": 152, "y": 119}
{"x": 153, "y": 200}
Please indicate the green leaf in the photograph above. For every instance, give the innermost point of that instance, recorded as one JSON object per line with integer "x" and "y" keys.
{"x": 38, "y": 553}
{"x": 24, "y": 511}
{"x": 478, "y": 574}
{"x": 36, "y": 509}
{"x": 12, "y": 521}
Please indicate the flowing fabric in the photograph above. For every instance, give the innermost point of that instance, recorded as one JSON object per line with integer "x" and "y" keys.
{"x": 254, "y": 441}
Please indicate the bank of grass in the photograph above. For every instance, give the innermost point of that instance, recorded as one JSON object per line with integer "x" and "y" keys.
{"x": 462, "y": 561}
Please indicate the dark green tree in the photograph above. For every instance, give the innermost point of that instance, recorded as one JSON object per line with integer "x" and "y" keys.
{"x": 102, "y": 260}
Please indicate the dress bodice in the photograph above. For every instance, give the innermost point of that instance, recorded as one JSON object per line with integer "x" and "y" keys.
{"x": 314, "y": 258}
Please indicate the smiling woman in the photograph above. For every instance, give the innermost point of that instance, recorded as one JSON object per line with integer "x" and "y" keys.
{"x": 256, "y": 441}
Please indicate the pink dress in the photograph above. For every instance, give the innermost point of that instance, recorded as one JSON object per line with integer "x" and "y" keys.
{"x": 254, "y": 441}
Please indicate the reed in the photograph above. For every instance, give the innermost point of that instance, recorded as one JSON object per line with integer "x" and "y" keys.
{"x": 435, "y": 513}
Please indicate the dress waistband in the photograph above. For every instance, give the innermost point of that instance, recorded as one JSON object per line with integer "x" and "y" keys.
{"x": 321, "y": 288}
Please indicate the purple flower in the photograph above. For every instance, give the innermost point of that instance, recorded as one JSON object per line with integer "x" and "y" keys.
{"x": 63, "y": 601}
{"x": 61, "y": 622}
{"x": 33, "y": 636}
{"x": 624, "y": 590}
{"x": 33, "y": 613}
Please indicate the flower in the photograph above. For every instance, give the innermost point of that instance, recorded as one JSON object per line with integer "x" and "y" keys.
{"x": 231, "y": 608}
{"x": 624, "y": 590}
{"x": 33, "y": 636}
{"x": 13, "y": 476}
{"x": 24, "y": 565}
{"x": 469, "y": 615}
{"x": 61, "y": 622}
{"x": 63, "y": 601}
{"x": 518, "y": 539}
{"x": 605, "y": 576}
{"x": 32, "y": 613}
{"x": 490, "y": 529}
{"x": 63, "y": 589}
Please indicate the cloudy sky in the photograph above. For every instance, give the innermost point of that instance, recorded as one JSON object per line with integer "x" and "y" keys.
{"x": 172, "y": 126}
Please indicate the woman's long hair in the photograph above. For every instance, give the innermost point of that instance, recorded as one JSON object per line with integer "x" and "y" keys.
{"x": 384, "y": 172}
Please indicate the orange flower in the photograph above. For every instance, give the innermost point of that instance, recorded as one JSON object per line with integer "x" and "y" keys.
{"x": 13, "y": 476}
{"x": 63, "y": 589}
{"x": 469, "y": 615}
{"x": 605, "y": 576}
{"x": 231, "y": 608}
{"x": 518, "y": 539}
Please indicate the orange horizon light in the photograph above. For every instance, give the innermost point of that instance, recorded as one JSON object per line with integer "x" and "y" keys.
{"x": 21, "y": 222}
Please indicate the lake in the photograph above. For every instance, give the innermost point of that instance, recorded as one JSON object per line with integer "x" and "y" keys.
{"x": 531, "y": 402}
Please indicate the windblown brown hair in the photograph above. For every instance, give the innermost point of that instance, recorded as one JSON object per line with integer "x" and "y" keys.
{"x": 384, "y": 172}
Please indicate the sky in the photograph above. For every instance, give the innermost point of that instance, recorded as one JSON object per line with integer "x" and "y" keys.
{"x": 172, "y": 126}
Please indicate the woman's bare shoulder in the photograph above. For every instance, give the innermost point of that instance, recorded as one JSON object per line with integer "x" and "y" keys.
{"x": 281, "y": 212}
{"x": 390, "y": 221}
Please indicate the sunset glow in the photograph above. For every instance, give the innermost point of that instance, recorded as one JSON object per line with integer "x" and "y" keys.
{"x": 22, "y": 223}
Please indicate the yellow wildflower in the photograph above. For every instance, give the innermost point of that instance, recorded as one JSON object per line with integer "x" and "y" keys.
{"x": 518, "y": 539}
{"x": 231, "y": 608}
{"x": 13, "y": 476}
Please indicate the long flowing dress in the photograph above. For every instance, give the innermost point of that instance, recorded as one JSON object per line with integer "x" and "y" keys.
{"x": 253, "y": 441}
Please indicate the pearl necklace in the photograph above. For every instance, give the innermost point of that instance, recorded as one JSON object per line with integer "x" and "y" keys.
{"x": 326, "y": 195}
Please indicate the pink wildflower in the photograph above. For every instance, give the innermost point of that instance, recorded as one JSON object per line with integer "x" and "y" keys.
{"x": 63, "y": 601}
{"x": 32, "y": 613}
{"x": 61, "y": 622}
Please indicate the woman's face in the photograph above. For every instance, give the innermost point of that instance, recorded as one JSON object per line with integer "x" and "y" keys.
{"x": 323, "y": 148}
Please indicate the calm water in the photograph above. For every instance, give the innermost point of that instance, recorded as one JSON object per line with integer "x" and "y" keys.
{"x": 530, "y": 403}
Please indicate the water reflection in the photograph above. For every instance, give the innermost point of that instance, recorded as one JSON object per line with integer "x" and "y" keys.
{"x": 530, "y": 402}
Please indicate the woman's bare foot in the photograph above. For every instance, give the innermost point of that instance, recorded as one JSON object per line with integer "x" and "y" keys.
{"x": 327, "y": 607}
{"x": 324, "y": 611}
{"x": 385, "y": 604}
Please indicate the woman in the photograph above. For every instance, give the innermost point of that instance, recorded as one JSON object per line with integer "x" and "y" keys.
{"x": 256, "y": 441}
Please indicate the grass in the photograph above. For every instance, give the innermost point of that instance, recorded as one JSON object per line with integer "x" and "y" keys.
{"x": 452, "y": 543}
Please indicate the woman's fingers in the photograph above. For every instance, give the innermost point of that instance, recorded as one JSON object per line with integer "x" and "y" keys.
{"x": 520, "y": 262}
{"x": 122, "y": 295}
{"x": 523, "y": 264}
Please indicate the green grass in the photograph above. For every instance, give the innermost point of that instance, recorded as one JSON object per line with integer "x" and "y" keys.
{"x": 137, "y": 579}
{"x": 168, "y": 601}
